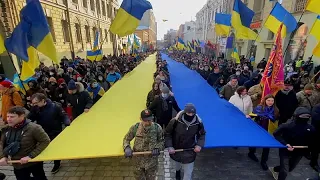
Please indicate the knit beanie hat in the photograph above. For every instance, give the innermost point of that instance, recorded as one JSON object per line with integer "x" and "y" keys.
{"x": 6, "y": 84}
{"x": 72, "y": 85}
{"x": 308, "y": 87}
{"x": 60, "y": 81}
{"x": 52, "y": 79}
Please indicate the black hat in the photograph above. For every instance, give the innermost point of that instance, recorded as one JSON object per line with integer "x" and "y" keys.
{"x": 287, "y": 82}
{"x": 302, "y": 111}
{"x": 146, "y": 115}
{"x": 190, "y": 108}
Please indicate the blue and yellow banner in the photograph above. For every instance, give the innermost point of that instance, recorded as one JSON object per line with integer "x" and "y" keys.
{"x": 128, "y": 16}
{"x": 180, "y": 44}
{"x": 315, "y": 30}
{"x": 235, "y": 55}
{"x": 223, "y": 24}
{"x": 2, "y": 47}
{"x": 84, "y": 140}
{"x": 280, "y": 15}
{"x": 313, "y": 6}
{"x": 241, "y": 19}
{"x": 96, "y": 53}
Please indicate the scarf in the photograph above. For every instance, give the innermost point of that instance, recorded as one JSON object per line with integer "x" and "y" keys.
{"x": 267, "y": 112}
{"x": 19, "y": 125}
{"x": 94, "y": 91}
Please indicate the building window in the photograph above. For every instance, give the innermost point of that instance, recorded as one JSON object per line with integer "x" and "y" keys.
{"x": 188, "y": 28}
{"x": 92, "y": 5}
{"x": 103, "y": 8}
{"x": 115, "y": 12}
{"x": 108, "y": 10}
{"x": 300, "y": 5}
{"x": 85, "y": 3}
{"x": 78, "y": 32}
{"x": 65, "y": 30}
{"x": 75, "y": 1}
{"x": 64, "y": 2}
{"x": 267, "y": 53}
{"x": 50, "y": 23}
{"x": 270, "y": 35}
{"x": 87, "y": 29}
{"x": 111, "y": 36}
{"x": 106, "y": 35}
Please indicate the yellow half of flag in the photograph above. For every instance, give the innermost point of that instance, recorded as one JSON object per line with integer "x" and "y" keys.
{"x": 100, "y": 132}
{"x": 316, "y": 51}
{"x": 28, "y": 68}
{"x": 313, "y": 6}
{"x": 2, "y": 47}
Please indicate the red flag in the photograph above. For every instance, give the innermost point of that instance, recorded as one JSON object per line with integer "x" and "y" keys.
{"x": 273, "y": 76}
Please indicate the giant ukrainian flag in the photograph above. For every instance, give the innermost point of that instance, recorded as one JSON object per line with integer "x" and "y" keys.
{"x": 313, "y": 6}
{"x": 279, "y": 15}
{"x": 128, "y": 16}
{"x": 100, "y": 132}
{"x": 241, "y": 20}
{"x": 223, "y": 24}
{"x": 33, "y": 30}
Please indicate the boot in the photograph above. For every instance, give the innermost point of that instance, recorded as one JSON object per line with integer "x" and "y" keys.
{"x": 178, "y": 175}
{"x": 253, "y": 157}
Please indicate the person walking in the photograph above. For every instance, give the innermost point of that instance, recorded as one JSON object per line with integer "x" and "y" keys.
{"x": 242, "y": 101}
{"x": 185, "y": 131}
{"x": 296, "y": 133}
{"x": 162, "y": 107}
{"x": 78, "y": 99}
{"x": 266, "y": 112}
{"x": 149, "y": 137}
{"x": 50, "y": 116}
{"x": 229, "y": 89}
{"x": 23, "y": 140}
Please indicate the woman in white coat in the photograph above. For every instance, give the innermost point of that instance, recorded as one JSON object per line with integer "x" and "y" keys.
{"x": 242, "y": 101}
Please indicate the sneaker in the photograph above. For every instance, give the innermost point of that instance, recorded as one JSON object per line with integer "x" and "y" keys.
{"x": 178, "y": 175}
{"x": 55, "y": 169}
{"x": 264, "y": 166}
{"x": 274, "y": 174}
{"x": 2, "y": 176}
{"x": 253, "y": 157}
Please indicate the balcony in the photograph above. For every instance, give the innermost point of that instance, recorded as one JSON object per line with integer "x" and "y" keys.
{"x": 257, "y": 16}
{"x": 300, "y": 5}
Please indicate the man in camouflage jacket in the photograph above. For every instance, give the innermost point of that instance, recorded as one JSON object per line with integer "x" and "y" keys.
{"x": 148, "y": 137}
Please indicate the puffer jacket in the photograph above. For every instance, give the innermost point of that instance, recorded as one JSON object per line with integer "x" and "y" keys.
{"x": 306, "y": 101}
{"x": 227, "y": 91}
{"x": 180, "y": 135}
{"x": 10, "y": 98}
{"x": 244, "y": 103}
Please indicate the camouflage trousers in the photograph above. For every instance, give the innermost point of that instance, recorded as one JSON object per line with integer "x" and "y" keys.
{"x": 145, "y": 174}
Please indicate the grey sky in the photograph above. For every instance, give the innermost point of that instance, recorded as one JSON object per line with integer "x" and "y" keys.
{"x": 175, "y": 11}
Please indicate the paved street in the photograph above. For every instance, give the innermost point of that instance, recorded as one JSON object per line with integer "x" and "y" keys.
{"x": 214, "y": 164}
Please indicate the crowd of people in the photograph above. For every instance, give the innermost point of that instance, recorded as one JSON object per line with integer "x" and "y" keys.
{"x": 295, "y": 109}
{"x": 55, "y": 96}
{"x": 60, "y": 93}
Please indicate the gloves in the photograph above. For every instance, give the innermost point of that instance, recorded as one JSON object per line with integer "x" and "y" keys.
{"x": 155, "y": 152}
{"x": 128, "y": 152}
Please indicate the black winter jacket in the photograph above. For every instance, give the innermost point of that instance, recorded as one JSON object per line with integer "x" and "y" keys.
{"x": 181, "y": 136}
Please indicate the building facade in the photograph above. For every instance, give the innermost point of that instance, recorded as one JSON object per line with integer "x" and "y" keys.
{"x": 147, "y": 30}
{"x": 170, "y": 37}
{"x": 72, "y": 23}
{"x": 205, "y": 18}
{"x": 300, "y": 44}
{"x": 189, "y": 32}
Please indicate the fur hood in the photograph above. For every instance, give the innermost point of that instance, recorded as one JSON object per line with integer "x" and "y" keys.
{"x": 80, "y": 86}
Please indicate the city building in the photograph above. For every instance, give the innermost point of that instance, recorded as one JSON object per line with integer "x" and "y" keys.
{"x": 73, "y": 24}
{"x": 206, "y": 16}
{"x": 189, "y": 32}
{"x": 147, "y": 30}
{"x": 180, "y": 32}
{"x": 170, "y": 37}
{"x": 300, "y": 44}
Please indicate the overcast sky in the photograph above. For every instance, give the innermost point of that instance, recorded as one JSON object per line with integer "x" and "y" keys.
{"x": 175, "y": 11}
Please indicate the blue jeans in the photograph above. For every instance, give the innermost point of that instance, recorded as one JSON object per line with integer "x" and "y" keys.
{"x": 187, "y": 169}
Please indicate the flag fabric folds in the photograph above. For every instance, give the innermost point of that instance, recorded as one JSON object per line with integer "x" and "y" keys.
{"x": 223, "y": 24}
{"x": 316, "y": 51}
{"x": 313, "y": 6}
{"x": 18, "y": 84}
{"x": 241, "y": 20}
{"x": 315, "y": 30}
{"x": 280, "y": 15}
{"x": 136, "y": 43}
{"x": 96, "y": 53}
{"x": 28, "y": 67}
{"x": 229, "y": 44}
{"x": 2, "y": 47}
{"x": 273, "y": 76}
{"x": 33, "y": 30}
{"x": 128, "y": 16}
{"x": 189, "y": 87}
{"x": 180, "y": 44}
{"x": 103, "y": 115}
{"x": 235, "y": 55}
